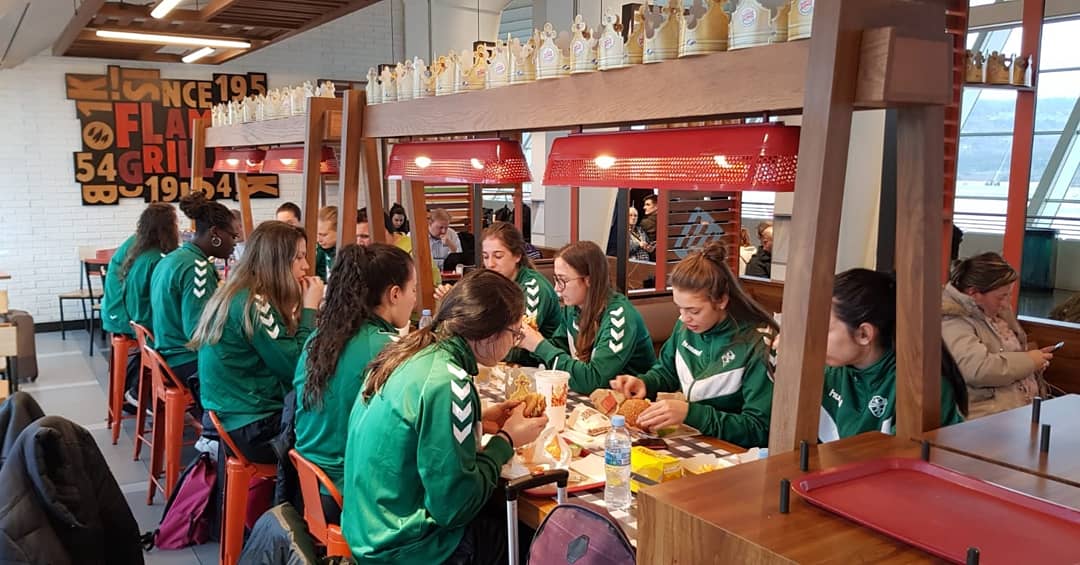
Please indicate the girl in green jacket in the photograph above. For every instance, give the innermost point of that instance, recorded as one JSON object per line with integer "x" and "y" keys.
{"x": 601, "y": 334}
{"x": 373, "y": 294}
{"x": 717, "y": 356}
{"x": 859, "y": 393}
{"x": 250, "y": 335}
{"x": 126, "y": 296}
{"x": 417, "y": 477}
{"x": 184, "y": 281}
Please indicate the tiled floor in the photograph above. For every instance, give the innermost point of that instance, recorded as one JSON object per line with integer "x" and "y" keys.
{"x": 73, "y": 385}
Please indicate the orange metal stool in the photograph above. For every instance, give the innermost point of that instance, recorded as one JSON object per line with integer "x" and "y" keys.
{"x": 121, "y": 345}
{"x": 142, "y": 433}
{"x": 238, "y": 475}
{"x": 311, "y": 476}
{"x": 171, "y": 400}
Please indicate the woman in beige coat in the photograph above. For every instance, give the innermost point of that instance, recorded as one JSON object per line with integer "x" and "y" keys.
{"x": 982, "y": 334}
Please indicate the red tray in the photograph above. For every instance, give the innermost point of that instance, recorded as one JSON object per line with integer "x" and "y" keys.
{"x": 944, "y": 512}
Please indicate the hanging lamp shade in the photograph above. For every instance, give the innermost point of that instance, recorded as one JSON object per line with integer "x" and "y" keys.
{"x": 728, "y": 158}
{"x": 473, "y": 161}
{"x": 291, "y": 160}
{"x": 238, "y": 160}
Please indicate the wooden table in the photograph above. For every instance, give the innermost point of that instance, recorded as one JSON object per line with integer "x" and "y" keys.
{"x": 732, "y": 516}
{"x": 1010, "y": 439}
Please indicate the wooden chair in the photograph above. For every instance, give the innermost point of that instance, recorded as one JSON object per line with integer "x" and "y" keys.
{"x": 121, "y": 345}
{"x": 85, "y": 294}
{"x": 239, "y": 473}
{"x": 142, "y": 434}
{"x": 311, "y": 477}
{"x": 171, "y": 401}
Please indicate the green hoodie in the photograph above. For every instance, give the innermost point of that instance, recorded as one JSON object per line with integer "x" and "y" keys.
{"x": 415, "y": 473}
{"x": 182, "y": 284}
{"x": 136, "y": 287}
{"x": 321, "y": 431}
{"x": 725, "y": 379}
{"x": 324, "y": 261}
{"x": 622, "y": 346}
{"x": 114, "y": 316}
{"x": 244, "y": 379}
{"x": 864, "y": 400}
{"x": 541, "y": 303}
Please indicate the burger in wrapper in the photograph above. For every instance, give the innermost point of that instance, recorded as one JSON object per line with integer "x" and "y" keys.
{"x": 631, "y": 409}
{"x": 535, "y": 404}
{"x": 607, "y": 401}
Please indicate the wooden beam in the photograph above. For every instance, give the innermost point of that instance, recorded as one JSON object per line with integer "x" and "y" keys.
{"x": 272, "y": 132}
{"x": 114, "y": 10}
{"x": 374, "y": 186}
{"x": 214, "y": 8}
{"x": 352, "y": 120}
{"x": 244, "y": 193}
{"x": 421, "y": 248}
{"x": 318, "y": 109}
{"x": 82, "y": 16}
{"x": 198, "y": 152}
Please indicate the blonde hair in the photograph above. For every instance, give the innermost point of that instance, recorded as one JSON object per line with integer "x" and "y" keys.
{"x": 439, "y": 214}
{"x": 328, "y": 214}
{"x": 264, "y": 270}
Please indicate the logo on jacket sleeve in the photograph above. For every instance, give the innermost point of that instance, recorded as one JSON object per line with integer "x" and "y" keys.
{"x": 877, "y": 406}
{"x": 532, "y": 298}
{"x": 200, "y": 278}
{"x": 266, "y": 318}
{"x": 617, "y": 317}
{"x": 460, "y": 405}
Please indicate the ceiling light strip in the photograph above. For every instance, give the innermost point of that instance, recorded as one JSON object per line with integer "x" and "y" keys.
{"x": 172, "y": 39}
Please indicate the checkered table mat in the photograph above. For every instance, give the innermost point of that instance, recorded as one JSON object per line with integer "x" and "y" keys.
{"x": 683, "y": 448}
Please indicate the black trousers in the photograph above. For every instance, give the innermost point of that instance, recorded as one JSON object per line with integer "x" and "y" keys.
{"x": 253, "y": 441}
{"x": 331, "y": 510}
{"x": 131, "y": 378}
{"x": 485, "y": 539}
{"x": 188, "y": 373}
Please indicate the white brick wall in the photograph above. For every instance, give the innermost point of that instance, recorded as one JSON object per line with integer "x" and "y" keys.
{"x": 42, "y": 219}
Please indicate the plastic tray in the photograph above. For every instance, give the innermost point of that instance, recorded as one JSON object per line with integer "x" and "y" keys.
{"x": 944, "y": 512}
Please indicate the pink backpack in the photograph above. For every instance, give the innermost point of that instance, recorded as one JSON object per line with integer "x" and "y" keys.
{"x": 580, "y": 534}
{"x": 186, "y": 520}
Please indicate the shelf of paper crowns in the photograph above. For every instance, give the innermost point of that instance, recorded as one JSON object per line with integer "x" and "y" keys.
{"x": 276, "y": 104}
{"x": 657, "y": 34}
{"x": 996, "y": 68}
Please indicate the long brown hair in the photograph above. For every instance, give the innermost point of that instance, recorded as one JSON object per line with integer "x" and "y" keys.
{"x": 588, "y": 260}
{"x": 156, "y": 231}
{"x": 706, "y": 270}
{"x": 984, "y": 272}
{"x": 480, "y": 306}
{"x": 361, "y": 278}
{"x": 509, "y": 235}
{"x": 265, "y": 270}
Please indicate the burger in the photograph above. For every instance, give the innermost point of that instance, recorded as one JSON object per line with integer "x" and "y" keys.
{"x": 534, "y": 404}
{"x": 631, "y": 409}
{"x": 530, "y": 321}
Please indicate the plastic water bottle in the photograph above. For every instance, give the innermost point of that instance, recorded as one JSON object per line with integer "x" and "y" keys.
{"x": 617, "y": 465}
{"x": 425, "y": 319}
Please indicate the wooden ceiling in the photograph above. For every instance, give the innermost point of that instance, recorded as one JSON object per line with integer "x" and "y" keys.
{"x": 260, "y": 22}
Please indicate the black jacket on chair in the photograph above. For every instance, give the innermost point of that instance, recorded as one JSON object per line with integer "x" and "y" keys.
{"x": 17, "y": 412}
{"x": 60, "y": 503}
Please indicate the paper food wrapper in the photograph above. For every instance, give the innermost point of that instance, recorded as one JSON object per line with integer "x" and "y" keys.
{"x": 588, "y": 421}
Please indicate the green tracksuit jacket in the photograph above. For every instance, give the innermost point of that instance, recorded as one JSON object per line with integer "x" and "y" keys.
{"x": 541, "y": 303}
{"x": 725, "y": 379}
{"x": 182, "y": 284}
{"x": 244, "y": 379}
{"x": 622, "y": 346}
{"x": 114, "y": 317}
{"x": 864, "y": 400}
{"x": 321, "y": 431}
{"x": 136, "y": 288}
{"x": 420, "y": 438}
{"x": 324, "y": 261}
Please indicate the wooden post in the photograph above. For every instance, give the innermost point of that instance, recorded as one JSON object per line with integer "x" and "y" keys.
{"x": 663, "y": 207}
{"x": 314, "y": 130}
{"x": 198, "y": 158}
{"x": 575, "y": 213}
{"x": 352, "y": 117}
{"x": 920, "y": 150}
{"x": 244, "y": 193}
{"x": 373, "y": 182}
{"x": 519, "y": 209}
{"x": 478, "y": 223}
{"x": 421, "y": 248}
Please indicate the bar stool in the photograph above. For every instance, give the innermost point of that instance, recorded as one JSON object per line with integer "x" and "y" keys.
{"x": 121, "y": 345}
{"x": 142, "y": 433}
{"x": 238, "y": 475}
{"x": 171, "y": 401}
{"x": 311, "y": 476}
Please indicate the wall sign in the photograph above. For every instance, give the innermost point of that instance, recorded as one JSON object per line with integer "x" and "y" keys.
{"x": 136, "y": 135}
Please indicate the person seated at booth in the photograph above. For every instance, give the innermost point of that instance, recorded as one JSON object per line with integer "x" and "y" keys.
{"x": 859, "y": 393}
{"x": 186, "y": 279}
{"x": 290, "y": 214}
{"x": 326, "y": 238}
{"x": 983, "y": 335}
{"x": 601, "y": 334}
{"x": 418, "y": 480}
{"x": 717, "y": 356}
{"x": 441, "y": 237}
{"x": 373, "y": 294}
{"x": 250, "y": 336}
{"x": 760, "y": 265}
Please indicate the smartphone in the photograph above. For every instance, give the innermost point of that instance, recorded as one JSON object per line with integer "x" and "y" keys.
{"x": 651, "y": 443}
{"x": 1058, "y": 345}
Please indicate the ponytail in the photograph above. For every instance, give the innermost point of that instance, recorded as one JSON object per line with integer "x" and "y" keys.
{"x": 707, "y": 271}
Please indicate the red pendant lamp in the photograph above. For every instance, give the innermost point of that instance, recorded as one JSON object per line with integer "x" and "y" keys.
{"x": 238, "y": 160}
{"x": 291, "y": 160}
{"x": 726, "y": 158}
{"x": 472, "y": 161}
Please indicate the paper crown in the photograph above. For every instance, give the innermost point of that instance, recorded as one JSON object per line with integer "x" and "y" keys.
{"x": 471, "y": 70}
{"x": 498, "y": 65}
{"x": 705, "y": 29}
{"x": 389, "y": 84}
{"x": 444, "y": 69}
{"x": 403, "y": 79}
{"x": 373, "y": 88}
{"x": 800, "y": 18}
{"x": 973, "y": 66}
{"x": 583, "y": 53}
{"x": 552, "y": 58}
{"x": 759, "y": 22}
{"x": 1021, "y": 71}
{"x": 662, "y": 27}
{"x": 423, "y": 83}
{"x": 998, "y": 68}
{"x": 523, "y": 59}
{"x": 612, "y": 51}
